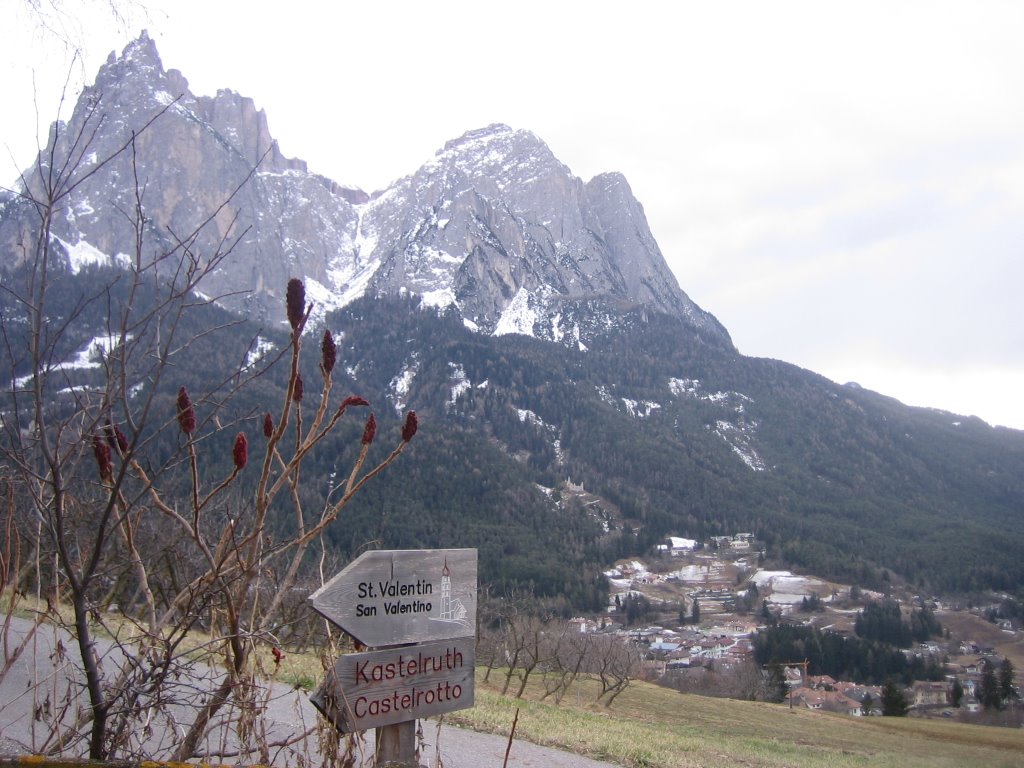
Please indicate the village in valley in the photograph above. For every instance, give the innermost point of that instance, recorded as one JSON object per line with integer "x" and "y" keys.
{"x": 694, "y": 610}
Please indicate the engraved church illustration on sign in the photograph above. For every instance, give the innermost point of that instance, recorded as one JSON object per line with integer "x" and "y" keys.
{"x": 451, "y": 609}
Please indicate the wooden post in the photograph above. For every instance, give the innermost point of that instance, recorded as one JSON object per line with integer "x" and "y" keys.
{"x": 396, "y": 745}
{"x": 418, "y": 609}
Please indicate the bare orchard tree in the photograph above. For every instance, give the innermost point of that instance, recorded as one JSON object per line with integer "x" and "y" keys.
{"x": 115, "y": 463}
{"x": 490, "y": 648}
{"x": 535, "y": 634}
{"x": 525, "y": 644}
{"x": 615, "y": 661}
{"x": 566, "y": 659}
{"x": 513, "y": 637}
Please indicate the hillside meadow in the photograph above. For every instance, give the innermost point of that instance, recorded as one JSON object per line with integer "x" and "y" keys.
{"x": 653, "y": 727}
{"x": 649, "y": 726}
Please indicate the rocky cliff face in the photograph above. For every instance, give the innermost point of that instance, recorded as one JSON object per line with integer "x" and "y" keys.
{"x": 496, "y": 226}
{"x": 209, "y": 178}
{"x": 493, "y": 226}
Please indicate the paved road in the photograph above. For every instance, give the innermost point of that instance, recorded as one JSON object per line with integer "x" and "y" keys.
{"x": 39, "y": 682}
{"x": 467, "y": 749}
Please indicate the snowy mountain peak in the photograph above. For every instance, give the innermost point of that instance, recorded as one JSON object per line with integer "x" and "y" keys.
{"x": 497, "y": 151}
{"x": 493, "y": 225}
{"x": 139, "y": 57}
{"x": 477, "y": 139}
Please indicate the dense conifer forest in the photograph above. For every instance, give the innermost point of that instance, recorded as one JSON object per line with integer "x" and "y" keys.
{"x": 873, "y": 655}
{"x": 855, "y": 486}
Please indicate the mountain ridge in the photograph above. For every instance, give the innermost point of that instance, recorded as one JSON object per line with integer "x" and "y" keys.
{"x": 492, "y": 219}
{"x": 530, "y": 319}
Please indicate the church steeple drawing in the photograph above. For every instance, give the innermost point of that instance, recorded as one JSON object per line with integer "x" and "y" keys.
{"x": 451, "y": 610}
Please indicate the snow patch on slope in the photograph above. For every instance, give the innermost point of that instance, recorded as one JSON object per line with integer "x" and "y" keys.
{"x": 693, "y": 388}
{"x": 88, "y": 357}
{"x": 324, "y": 300}
{"x": 260, "y": 348}
{"x": 351, "y": 279}
{"x": 559, "y": 333}
{"x": 739, "y": 433}
{"x": 605, "y": 395}
{"x": 740, "y": 442}
{"x": 519, "y": 316}
{"x": 401, "y": 384}
{"x": 529, "y": 417}
{"x": 83, "y": 254}
{"x": 459, "y": 383}
{"x": 440, "y": 298}
{"x": 528, "y": 313}
{"x": 640, "y": 409}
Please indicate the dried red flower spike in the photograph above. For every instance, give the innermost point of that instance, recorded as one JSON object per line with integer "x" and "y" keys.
{"x": 122, "y": 440}
{"x": 328, "y": 352}
{"x": 297, "y": 391}
{"x": 353, "y": 400}
{"x": 115, "y": 438}
{"x": 186, "y": 413}
{"x": 101, "y": 451}
{"x": 370, "y": 430}
{"x": 268, "y": 425}
{"x": 295, "y": 301}
{"x": 411, "y": 425}
{"x": 240, "y": 452}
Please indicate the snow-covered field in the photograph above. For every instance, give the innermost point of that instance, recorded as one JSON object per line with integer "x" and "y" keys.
{"x": 700, "y": 572}
{"x": 783, "y": 588}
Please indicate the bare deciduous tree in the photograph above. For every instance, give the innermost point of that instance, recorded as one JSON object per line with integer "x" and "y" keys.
{"x": 524, "y": 643}
{"x": 122, "y": 478}
{"x": 615, "y": 661}
{"x": 566, "y": 659}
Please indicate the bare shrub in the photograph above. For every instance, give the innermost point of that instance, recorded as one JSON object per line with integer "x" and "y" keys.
{"x": 154, "y": 505}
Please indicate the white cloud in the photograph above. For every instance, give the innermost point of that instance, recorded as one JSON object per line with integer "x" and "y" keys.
{"x": 992, "y": 394}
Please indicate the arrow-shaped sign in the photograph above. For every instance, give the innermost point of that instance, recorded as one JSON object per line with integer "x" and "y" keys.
{"x": 378, "y": 688}
{"x": 390, "y": 597}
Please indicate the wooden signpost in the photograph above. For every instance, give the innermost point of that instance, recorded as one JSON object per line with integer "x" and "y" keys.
{"x": 417, "y": 608}
{"x": 389, "y": 597}
{"x": 378, "y": 688}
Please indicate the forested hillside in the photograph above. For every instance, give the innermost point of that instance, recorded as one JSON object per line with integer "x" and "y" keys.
{"x": 841, "y": 481}
{"x": 671, "y": 435}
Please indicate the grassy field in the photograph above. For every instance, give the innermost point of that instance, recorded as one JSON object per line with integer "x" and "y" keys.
{"x": 968, "y": 626}
{"x": 653, "y": 727}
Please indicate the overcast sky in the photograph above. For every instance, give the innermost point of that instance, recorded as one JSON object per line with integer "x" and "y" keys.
{"x": 841, "y": 184}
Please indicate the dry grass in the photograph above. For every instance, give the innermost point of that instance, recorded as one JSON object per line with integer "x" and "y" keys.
{"x": 653, "y": 727}
{"x": 650, "y": 727}
{"x": 968, "y": 626}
